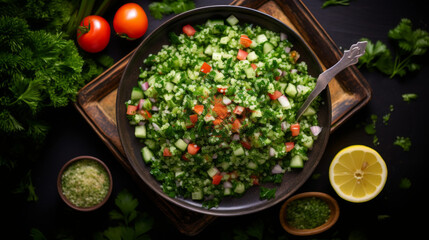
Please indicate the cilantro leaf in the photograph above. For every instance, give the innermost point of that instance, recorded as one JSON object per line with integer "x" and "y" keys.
{"x": 410, "y": 43}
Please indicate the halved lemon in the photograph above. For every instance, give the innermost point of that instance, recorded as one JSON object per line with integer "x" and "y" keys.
{"x": 358, "y": 173}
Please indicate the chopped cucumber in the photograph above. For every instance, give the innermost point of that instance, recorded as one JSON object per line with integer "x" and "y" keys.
{"x": 136, "y": 93}
{"x": 239, "y": 188}
{"x": 212, "y": 171}
{"x": 296, "y": 162}
{"x": 261, "y": 38}
{"x": 268, "y": 47}
{"x": 197, "y": 195}
{"x": 211, "y": 23}
{"x": 291, "y": 90}
{"x": 140, "y": 131}
{"x": 239, "y": 151}
{"x": 182, "y": 145}
{"x": 309, "y": 111}
{"x": 147, "y": 154}
{"x": 250, "y": 73}
{"x": 252, "y": 56}
{"x": 232, "y": 20}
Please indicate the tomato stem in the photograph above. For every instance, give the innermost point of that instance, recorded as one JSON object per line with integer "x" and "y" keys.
{"x": 83, "y": 29}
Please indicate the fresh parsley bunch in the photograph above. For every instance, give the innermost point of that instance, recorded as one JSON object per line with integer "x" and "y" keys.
{"x": 409, "y": 44}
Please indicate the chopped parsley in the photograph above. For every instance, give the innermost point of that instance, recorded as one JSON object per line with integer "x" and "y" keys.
{"x": 403, "y": 142}
{"x": 407, "y": 97}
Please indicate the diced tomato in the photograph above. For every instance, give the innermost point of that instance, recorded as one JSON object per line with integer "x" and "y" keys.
{"x": 245, "y": 41}
{"x": 275, "y": 95}
{"x": 193, "y": 118}
{"x": 189, "y": 30}
{"x": 185, "y": 156}
{"x": 131, "y": 110}
{"x": 254, "y": 66}
{"x": 221, "y": 110}
{"x": 205, "y": 68}
{"x": 167, "y": 152}
{"x": 216, "y": 179}
{"x": 217, "y": 121}
{"x": 145, "y": 113}
{"x": 255, "y": 180}
{"x": 246, "y": 145}
{"x": 289, "y": 146}
{"x": 222, "y": 90}
{"x": 193, "y": 148}
{"x": 236, "y": 125}
{"x": 294, "y": 128}
{"x": 277, "y": 78}
{"x": 238, "y": 110}
{"x": 241, "y": 55}
{"x": 199, "y": 109}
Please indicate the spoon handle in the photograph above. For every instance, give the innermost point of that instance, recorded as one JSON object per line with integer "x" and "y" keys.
{"x": 349, "y": 58}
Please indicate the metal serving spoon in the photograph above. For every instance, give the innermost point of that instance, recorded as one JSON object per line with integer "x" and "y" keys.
{"x": 349, "y": 58}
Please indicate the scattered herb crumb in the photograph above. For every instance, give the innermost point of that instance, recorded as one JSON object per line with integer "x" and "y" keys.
{"x": 386, "y": 117}
{"x": 403, "y": 142}
{"x": 315, "y": 176}
{"x": 335, "y": 2}
{"x": 405, "y": 183}
{"x": 407, "y": 97}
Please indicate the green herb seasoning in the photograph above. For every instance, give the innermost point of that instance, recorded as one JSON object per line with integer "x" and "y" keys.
{"x": 307, "y": 213}
{"x": 85, "y": 183}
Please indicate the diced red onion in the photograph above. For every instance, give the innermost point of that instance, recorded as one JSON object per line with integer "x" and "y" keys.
{"x": 214, "y": 156}
{"x": 226, "y": 101}
{"x": 315, "y": 130}
{"x": 235, "y": 137}
{"x": 142, "y": 123}
{"x": 155, "y": 108}
{"x": 140, "y": 104}
{"x": 280, "y": 72}
{"x": 156, "y": 127}
{"x": 284, "y": 126}
{"x": 145, "y": 86}
{"x": 287, "y": 49}
{"x": 152, "y": 100}
{"x": 284, "y": 101}
{"x": 294, "y": 70}
{"x": 272, "y": 152}
{"x": 277, "y": 169}
{"x": 283, "y": 36}
{"x": 227, "y": 184}
{"x": 187, "y": 141}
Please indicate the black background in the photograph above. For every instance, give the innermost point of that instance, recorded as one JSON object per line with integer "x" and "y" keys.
{"x": 394, "y": 213}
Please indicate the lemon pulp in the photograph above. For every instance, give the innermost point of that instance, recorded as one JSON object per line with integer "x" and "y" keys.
{"x": 358, "y": 173}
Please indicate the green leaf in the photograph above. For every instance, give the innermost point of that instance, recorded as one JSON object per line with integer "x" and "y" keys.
{"x": 126, "y": 203}
{"x": 403, "y": 142}
{"x": 113, "y": 233}
{"x": 116, "y": 215}
{"x": 36, "y": 234}
{"x": 335, "y": 2}
{"x": 405, "y": 183}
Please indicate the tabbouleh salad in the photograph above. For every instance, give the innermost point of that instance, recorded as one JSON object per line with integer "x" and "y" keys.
{"x": 216, "y": 110}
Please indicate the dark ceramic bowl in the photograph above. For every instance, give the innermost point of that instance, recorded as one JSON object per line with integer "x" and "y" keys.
{"x": 67, "y": 201}
{"x": 250, "y": 202}
{"x": 333, "y": 217}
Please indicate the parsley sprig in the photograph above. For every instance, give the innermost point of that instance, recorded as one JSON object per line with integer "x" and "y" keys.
{"x": 409, "y": 44}
{"x": 335, "y": 2}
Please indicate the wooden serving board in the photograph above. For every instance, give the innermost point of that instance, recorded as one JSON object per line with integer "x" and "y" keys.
{"x": 349, "y": 92}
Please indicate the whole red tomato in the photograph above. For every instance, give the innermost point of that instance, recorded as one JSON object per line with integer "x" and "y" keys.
{"x": 130, "y": 21}
{"x": 93, "y": 34}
